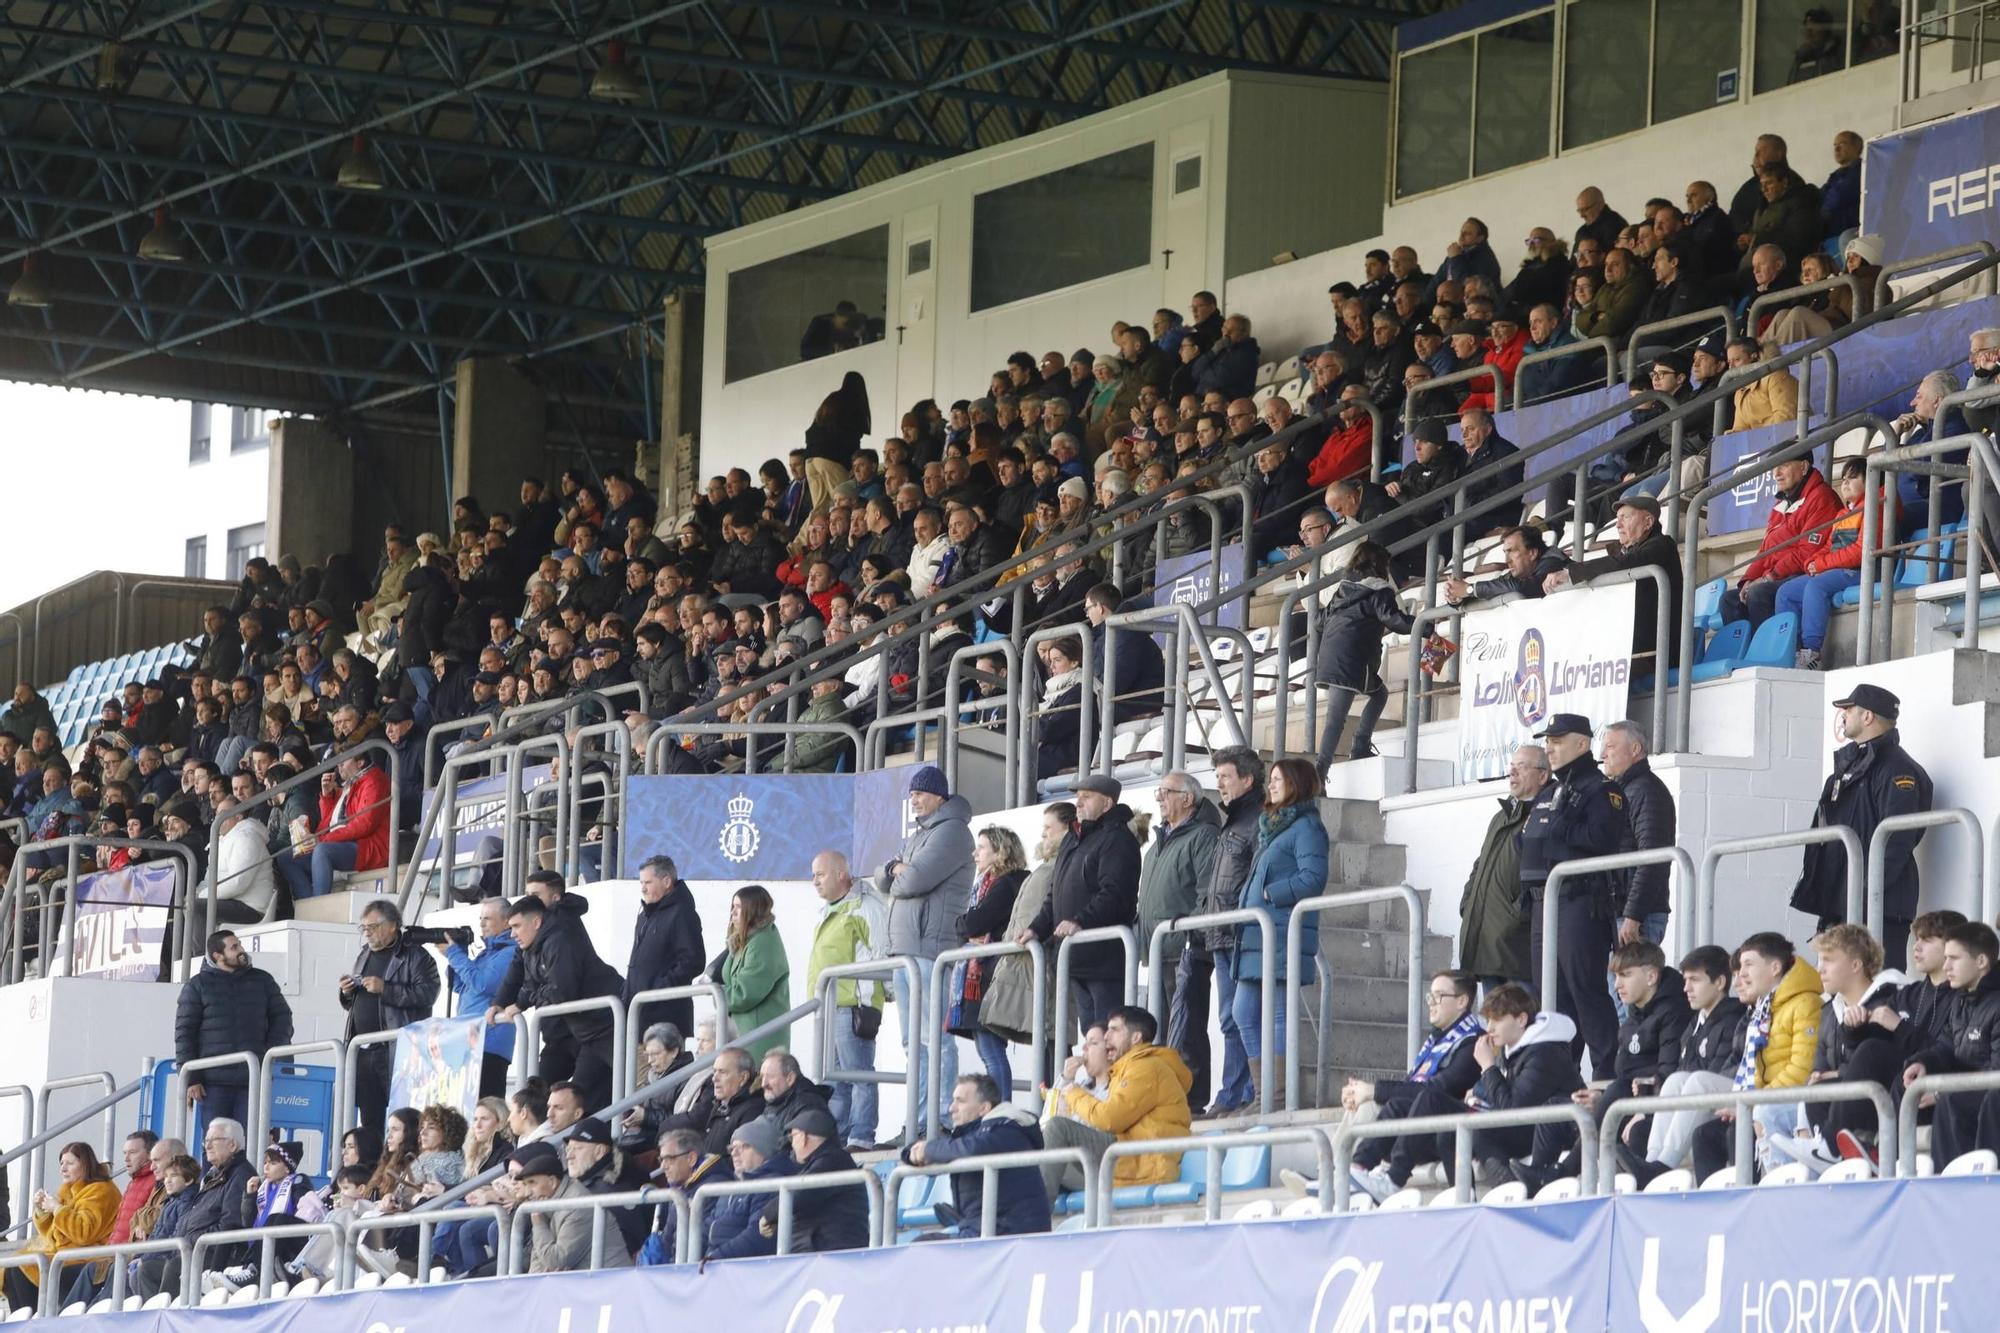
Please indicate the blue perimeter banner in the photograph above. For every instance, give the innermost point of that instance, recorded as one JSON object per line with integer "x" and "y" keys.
{"x": 1934, "y": 187}
{"x": 767, "y": 827}
{"x": 1870, "y": 1257}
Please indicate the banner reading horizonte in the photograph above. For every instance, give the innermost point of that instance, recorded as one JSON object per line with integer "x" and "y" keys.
{"x": 1518, "y": 663}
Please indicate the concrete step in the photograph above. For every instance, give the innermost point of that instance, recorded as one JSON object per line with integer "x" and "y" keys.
{"x": 1366, "y": 864}
{"x": 1360, "y": 952}
{"x": 1366, "y": 1000}
{"x": 1350, "y": 820}
{"x": 1383, "y": 915}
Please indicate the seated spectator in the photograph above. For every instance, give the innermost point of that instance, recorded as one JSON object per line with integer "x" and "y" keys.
{"x": 1641, "y": 543}
{"x": 244, "y": 881}
{"x": 1277, "y": 488}
{"x": 1362, "y": 609}
{"x": 729, "y": 1099}
{"x": 1147, "y": 1100}
{"x": 1349, "y": 448}
{"x": 985, "y": 1124}
{"x": 1230, "y": 366}
{"x": 788, "y": 1093}
{"x": 353, "y": 829}
{"x": 1504, "y": 344}
{"x": 560, "y": 1240}
{"x": 595, "y": 1162}
{"x": 1485, "y": 460}
{"x": 1788, "y": 218}
{"x": 1648, "y": 459}
{"x": 1780, "y": 1034}
{"x": 1614, "y": 309}
{"x": 1920, "y": 1013}
{"x": 1769, "y": 398}
{"x": 1139, "y": 673}
{"x": 1921, "y": 425}
{"x": 686, "y": 1167}
{"x": 281, "y": 1197}
{"x": 756, "y": 1152}
{"x": 1829, "y": 569}
{"x": 823, "y": 1220}
{"x": 1800, "y": 527}
{"x": 1852, "y": 1048}
{"x": 1557, "y": 375}
{"x": 1711, "y": 1048}
{"x": 1656, "y": 1014}
{"x": 1529, "y": 564}
{"x": 1436, "y": 465}
{"x": 1964, "y": 1121}
{"x": 80, "y": 1213}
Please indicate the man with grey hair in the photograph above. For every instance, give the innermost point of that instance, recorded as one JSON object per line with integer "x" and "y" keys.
{"x": 222, "y": 1201}
{"x": 1173, "y": 871}
{"x": 853, "y": 927}
{"x": 1920, "y": 425}
{"x": 1650, "y": 808}
{"x": 1493, "y": 934}
{"x": 1239, "y": 783}
{"x": 686, "y": 1166}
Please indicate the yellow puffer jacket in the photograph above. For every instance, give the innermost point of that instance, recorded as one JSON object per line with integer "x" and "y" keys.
{"x": 84, "y": 1215}
{"x": 1787, "y": 1058}
{"x": 1149, "y": 1088}
{"x": 1767, "y": 401}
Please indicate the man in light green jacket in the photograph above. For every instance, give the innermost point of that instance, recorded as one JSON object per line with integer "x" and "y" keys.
{"x": 853, "y": 927}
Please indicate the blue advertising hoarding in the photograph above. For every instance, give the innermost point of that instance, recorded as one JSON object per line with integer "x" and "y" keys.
{"x": 767, "y": 827}
{"x": 1934, "y": 187}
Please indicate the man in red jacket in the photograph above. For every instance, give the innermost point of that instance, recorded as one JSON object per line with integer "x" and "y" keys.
{"x": 1349, "y": 450}
{"x": 1800, "y": 527}
{"x": 353, "y": 829}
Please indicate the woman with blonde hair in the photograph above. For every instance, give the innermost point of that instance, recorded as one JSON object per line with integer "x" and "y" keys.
{"x": 755, "y": 974}
{"x": 487, "y": 1142}
{"x": 1006, "y": 1010}
{"x": 999, "y": 866}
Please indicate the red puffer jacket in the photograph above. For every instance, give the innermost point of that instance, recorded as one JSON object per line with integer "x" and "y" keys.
{"x": 364, "y": 820}
{"x": 1808, "y": 515}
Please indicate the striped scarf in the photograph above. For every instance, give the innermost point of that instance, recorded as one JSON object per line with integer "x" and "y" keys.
{"x": 1439, "y": 1046}
{"x": 1756, "y": 1035}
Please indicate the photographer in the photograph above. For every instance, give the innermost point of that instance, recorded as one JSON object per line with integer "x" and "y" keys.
{"x": 476, "y": 980}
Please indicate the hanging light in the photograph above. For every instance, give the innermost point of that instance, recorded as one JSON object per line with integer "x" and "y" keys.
{"x": 29, "y": 291}
{"x": 164, "y": 244}
{"x": 358, "y": 170}
{"x": 114, "y": 67}
{"x": 614, "y": 80}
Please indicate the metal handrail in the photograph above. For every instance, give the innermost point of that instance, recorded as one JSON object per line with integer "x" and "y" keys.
{"x": 26, "y": 1096}
{"x": 508, "y": 723}
{"x": 598, "y": 1205}
{"x": 1740, "y": 1100}
{"x": 956, "y": 705}
{"x": 265, "y": 1238}
{"x": 1902, "y": 1149}
{"x": 934, "y": 1033}
{"x": 1267, "y": 1021}
{"x": 1124, "y": 935}
{"x": 618, "y": 731}
{"x": 536, "y": 1015}
{"x": 271, "y": 796}
{"x": 827, "y": 1012}
{"x": 1189, "y": 627}
{"x": 1597, "y": 865}
{"x": 1849, "y": 840}
{"x": 426, "y": 1222}
{"x": 656, "y": 743}
{"x": 49, "y": 1293}
{"x": 1980, "y": 248}
{"x": 344, "y": 1107}
{"x": 96, "y": 1079}
{"x": 29, "y": 1149}
{"x": 1878, "y": 856}
{"x": 516, "y": 826}
{"x": 1878, "y": 534}
{"x": 1461, "y": 1128}
{"x": 1480, "y": 371}
{"x": 1789, "y": 296}
{"x": 710, "y": 990}
{"x": 1029, "y": 704}
{"x": 1413, "y": 906}
{"x": 785, "y": 1187}
{"x": 266, "y": 1071}
{"x": 253, "y": 1137}
{"x": 1636, "y": 340}
{"x": 13, "y": 904}
{"x": 1557, "y": 353}
{"x": 1214, "y": 1145}
{"x": 989, "y": 1168}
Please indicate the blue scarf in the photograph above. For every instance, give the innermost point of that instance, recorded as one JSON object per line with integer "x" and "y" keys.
{"x": 1756, "y": 1035}
{"x": 1271, "y": 823}
{"x": 1438, "y": 1048}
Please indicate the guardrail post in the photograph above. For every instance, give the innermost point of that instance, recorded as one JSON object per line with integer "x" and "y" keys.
{"x": 1413, "y": 906}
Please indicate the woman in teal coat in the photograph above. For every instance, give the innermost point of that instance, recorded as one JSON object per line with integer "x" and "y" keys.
{"x": 756, "y": 976}
{"x": 1290, "y": 867}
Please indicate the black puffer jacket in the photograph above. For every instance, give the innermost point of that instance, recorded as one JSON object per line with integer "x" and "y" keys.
{"x": 1649, "y": 1040}
{"x": 1235, "y": 854}
{"x": 562, "y": 965}
{"x": 221, "y": 1012}
{"x": 1715, "y": 1044}
{"x": 666, "y": 943}
{"x": 1650, "y": 807}
{"x": 1970, "y": 1045}
{"x": 1096, "y": 884}
{"x": 1350, "y": 647}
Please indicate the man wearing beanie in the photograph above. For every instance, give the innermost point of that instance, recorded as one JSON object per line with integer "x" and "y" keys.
{"x": 929, "y": 884}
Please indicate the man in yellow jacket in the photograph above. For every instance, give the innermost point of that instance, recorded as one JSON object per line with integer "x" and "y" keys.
{"x": 1147, "y": 1100}
{"x": 1766, "y": 401}
{"x": 1780, "y": 1037}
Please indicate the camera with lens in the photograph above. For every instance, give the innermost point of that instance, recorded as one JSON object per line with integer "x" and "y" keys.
{"x": 459, "y": 935}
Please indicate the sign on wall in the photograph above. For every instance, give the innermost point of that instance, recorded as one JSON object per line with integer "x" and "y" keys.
{"x": 1190, "y": 579}
{"x": 1522, "y": 662}
{"x": 1934, "y": 187}
{"x": 767, "y": 827}
{"x": 121, "y": 918}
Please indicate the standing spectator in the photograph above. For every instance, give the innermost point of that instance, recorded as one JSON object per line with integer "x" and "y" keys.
{"x": 1007, "y": 1008}
{"x": 1291, "y": 867}
{"x": 555, "y": 963}
{"x": 1174, "y": 870}
{"x": 1000, "y": 865}
{"x": 81, "y": 1212}
{"x": 1578, "y": 814}
{"x": 756, "y": 979}
{"x": 1147, "y": 1099}
{"x": 1650, "y": 808}
{"x": 476, "y": 980}
{"x": 1096, "y": 884}
{"x": 1492, "y": 933}
{"x": 852, "y": 928}
{"x": 393, "y": 983}
{"x": 1363, "y": 608}
{"x": 929, "y": 883}
{"x": 1873, "y": 778}
{"x": 666, "y": 945}
{"x": 226, "y": 1007}
{"x": 983, "y": 1124}
{"x": 1239, "y": 781}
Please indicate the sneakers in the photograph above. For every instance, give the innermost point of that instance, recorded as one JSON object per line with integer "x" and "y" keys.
{"x": 1374, "y": 1183}
{"x": 231, "y": 1280}
{"x": 1852, "y": 1145}
{"x": 1298, "y": 1182}
{"x": 1807, "y": 659}
{"x": 1807, "y": 1148}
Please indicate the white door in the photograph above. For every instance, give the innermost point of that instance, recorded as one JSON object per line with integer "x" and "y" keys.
{"x": 1184, "y": 240}
{"x": 915, "y": 325}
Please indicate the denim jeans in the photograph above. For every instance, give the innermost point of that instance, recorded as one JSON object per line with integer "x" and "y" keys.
{"x": 1811, "y": 596}
{"x": 993, "y": 1052}
{"x": 854, "y": 1105}
{"x": 911, "y": 1014}
{"x": 311, "y": 876}
{"x": 1248, "y": 1003}
{"x": 1236, "y": 1089}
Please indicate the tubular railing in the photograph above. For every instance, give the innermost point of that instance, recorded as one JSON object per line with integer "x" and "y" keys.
{"x": 1184, "y": 628}
{"x": 1125, "y": 936}
{"x": 1983, "y": 249}
{"x": 13, "y": 906}
{"x": 617, "y": 797}
{"x": 601, "y": 1222}
{"x": 349, "y": 1090}
{"x": 1413, "y": 908}
{"x": 827, "y": 1014}
{"x": 50, "y": 1293}
{"x": 786, "y": 1188}
{"x": 44, "y": 1094}
{"x": 1878, "y": 856}
{"x": 29, "y": 1150}
{"x": 664, "y": 734}
{"x": 934, "y": 1033}
{"x": 1461, "y": 1128}
{"x": 1789, "y": 296}
{"x": 1214, "y": 1145}
{"x": 253, "y": 1127}
{"x": 1849, "y": 840}
{"x": 1597, "y": 865}
{"x": 22, "y": 1188}
{"x": 956, "y": 706}
{"x": 1482, "y": 371}
{"x": 1030, "y": 699}
{"x": 530, "y": 1051}
{"x": 989, "y": 1168}
{"x": 275, "y": 796}
{"x": 1640, "y": 338}
{"x": 277, "y": 1055}
{"x": 708, "y": 990}
{"x": 264, "y": 1239}
{"x": 1902, "y": 1147}
{"x": 1741, "y": 1101}
{"x": 1587, "y": 345}
{"x": 519, "y": 824}
{"x": 426, "y": 1222}
{"x": 1878, "y": 536}
{"x": 1267, "y": 1019}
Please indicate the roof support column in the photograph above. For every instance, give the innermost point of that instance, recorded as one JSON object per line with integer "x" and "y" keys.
{"x": 499, "y": 434}
{"x": 311, "y": 490}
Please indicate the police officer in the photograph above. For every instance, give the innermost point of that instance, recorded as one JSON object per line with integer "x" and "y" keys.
{"x": 1873, "y": 777}
{"x": 1579, "y": 813}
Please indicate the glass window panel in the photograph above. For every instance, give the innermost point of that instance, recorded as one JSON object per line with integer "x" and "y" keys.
{"x": 1875, "y": 24}
{"x": 811, "y": 304}
{"x": 1698, "y": 41}
{"x": 1799, "y": 40}
{"x": 1604, "y": 91}
{"x": 1516, "y": 78}
{"x": 1434, "y": 117}
{"x": 1069, "y": 226}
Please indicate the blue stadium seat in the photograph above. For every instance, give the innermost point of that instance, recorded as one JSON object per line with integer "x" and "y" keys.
{"x": 1775, "y": 643}
{"x": 1718, "y": 658}
{"x": 1708, "y": 604}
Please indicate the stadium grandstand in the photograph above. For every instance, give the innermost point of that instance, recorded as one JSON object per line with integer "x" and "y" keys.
{"x": 1207, "y": 665}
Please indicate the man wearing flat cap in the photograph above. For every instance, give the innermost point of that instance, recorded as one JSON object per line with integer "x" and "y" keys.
{"x": 1578, "y": 813}
{"x": 823, "y": 1219}
{"x": 1641, "y": 542}
{"x": 1096, "y": 883}
{"x": 1873, "y": 778}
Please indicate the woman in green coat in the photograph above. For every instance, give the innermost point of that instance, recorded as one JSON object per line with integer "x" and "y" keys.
{"x": 756, "y": 976}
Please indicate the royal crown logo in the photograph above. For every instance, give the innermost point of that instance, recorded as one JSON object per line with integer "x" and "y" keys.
{"x": 1531, "y": 699}
{"x": 739, "y": 836}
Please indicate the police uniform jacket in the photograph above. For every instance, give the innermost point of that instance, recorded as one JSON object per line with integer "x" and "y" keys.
{"x": 1871, "y": 780}
{"x": 1579, "y": 813}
